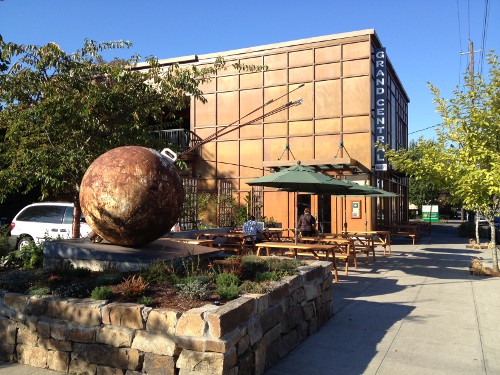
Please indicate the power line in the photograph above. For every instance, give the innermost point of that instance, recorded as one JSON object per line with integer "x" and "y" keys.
{"x": 421, "y": 130}
{"x": 468, "y": 16}
{"x": 485, "y": 33}
{"x": 460, "y": 44}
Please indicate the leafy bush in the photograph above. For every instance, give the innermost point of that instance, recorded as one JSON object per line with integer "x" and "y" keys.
{"x": 257, "y": 287}
{"x": 172, "y": 271}
{"x": 228, "y": 292}
{"x": 227, "y": 285}
{"x": 5, "y": 248}
{"x": 101, "y": 293}
{"x": 157, "y": 272}
{"x": 108, "y": 279}
{"x": 133, "y": 286}
{"x": 37, "y": 290}
{"x": 468, "y": 229}
{"x": 20, "y": 280}
{"x": 75, "y": 289}
{"x": 267, "y": 276}
{"x": 251, "y": 265}
{"x": 194, "y": 288}
{"x": 29, "y": 257}
{"x": 226, "y": 279}
{"x": 190, "y": 266}
{"x": 147, "y": 301}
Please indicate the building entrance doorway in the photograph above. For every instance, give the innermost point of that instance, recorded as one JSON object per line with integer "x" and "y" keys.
{"x": 303, "y": 202}
{"x": 324, "y": 214}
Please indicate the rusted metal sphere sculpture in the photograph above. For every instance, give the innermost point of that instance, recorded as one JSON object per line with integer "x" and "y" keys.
{"x": 131, "y": 195}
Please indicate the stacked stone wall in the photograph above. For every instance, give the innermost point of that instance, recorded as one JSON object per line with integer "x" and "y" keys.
{"x": 244, "y": 336}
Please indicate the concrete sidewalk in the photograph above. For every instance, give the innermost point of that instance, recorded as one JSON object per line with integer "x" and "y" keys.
{"x": 417, "y": 311}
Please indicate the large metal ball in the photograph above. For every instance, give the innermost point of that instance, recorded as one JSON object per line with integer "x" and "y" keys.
{"x": 131, "y": 195}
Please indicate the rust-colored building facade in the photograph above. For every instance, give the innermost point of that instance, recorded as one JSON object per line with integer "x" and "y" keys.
{"x": 351, "y": 99}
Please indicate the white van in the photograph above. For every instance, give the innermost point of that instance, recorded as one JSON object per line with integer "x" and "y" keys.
{"x": 38, "y": 221}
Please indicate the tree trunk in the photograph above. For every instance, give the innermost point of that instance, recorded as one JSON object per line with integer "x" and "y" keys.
{"x": 77, "y": 213}
{"x": 494, "y": 251}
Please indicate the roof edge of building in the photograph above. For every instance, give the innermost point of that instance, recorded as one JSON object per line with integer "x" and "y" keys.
{"x": 287, "y": 44}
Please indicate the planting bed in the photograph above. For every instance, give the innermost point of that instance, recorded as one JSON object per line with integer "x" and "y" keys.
{"x": 243, "y": 336}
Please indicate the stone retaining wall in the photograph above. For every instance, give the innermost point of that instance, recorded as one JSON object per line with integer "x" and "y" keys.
{"x": 243, "y": 336}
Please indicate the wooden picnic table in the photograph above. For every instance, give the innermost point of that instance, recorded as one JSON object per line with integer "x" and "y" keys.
{"x": 238, "y": 240}
{"x": 276, "y": 233}
{"x": 344, "y": 249}
{"x": 316, "y": 250}
{"x": 381, "y": 238}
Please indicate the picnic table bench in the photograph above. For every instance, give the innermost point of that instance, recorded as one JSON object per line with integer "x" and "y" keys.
{"x": 405, "y": 230}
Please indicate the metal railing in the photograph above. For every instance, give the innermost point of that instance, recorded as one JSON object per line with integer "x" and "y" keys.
{"x": 181, "y": 138}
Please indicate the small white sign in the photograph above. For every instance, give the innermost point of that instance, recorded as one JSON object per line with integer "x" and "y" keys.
{"x": 381, "y": 167}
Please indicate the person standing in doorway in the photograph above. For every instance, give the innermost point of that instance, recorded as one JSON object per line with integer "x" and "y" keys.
{"x": 307, "y": 224}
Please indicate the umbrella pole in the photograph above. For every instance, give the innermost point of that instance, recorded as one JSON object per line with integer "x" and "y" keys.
{"x": 336, "y": 214}
{"x": 366, "y": 218}
{"x": 296, "y": 214}
{"x": 345, "y": 213}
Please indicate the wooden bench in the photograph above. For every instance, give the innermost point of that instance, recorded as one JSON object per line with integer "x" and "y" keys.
{"x": 401, "y": 233}
{"x": 405, "y": 234}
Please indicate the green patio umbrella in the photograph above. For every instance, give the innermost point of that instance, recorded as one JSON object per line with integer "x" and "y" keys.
{"x": 299, "y": 178}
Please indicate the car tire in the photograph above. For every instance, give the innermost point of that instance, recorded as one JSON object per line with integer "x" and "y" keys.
{"x": 24, "y": 241}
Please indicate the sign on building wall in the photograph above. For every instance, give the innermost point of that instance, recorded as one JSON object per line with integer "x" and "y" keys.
{"x": 380, "y": 107}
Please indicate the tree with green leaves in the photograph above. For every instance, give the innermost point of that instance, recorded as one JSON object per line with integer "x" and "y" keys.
{"x": 63, "y": 110}
{"x": 465, "y": 157}
{"x": 422, "y": 192}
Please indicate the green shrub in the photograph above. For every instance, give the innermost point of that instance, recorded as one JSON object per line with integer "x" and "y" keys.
{"x": 195, "y": 288}
{"x": 66, "y": 270}
{"x": 228, "y": 292}
{"x": 29, "y": 257}
{"x": 226, "y": 279}
{"x": 267, "y": 276}
{"x": 172, "y": 271}
{"x": 101, "y": 293}
{"x": 20, "y": 280}
{"x": 108, "y": 279}
{"x": 283, "y": 264}
{"x": 157, "y": 272}
{"x": 37, "y": 290}
{"x": 467, "y": 229}
{"x": 227, "y": 285}
{"x": 257, "y": 287}
{"x": 147, "y": 301}
{"x": 5, "y": 247}
{"x": 63, "y": 269}
{"x": 190, "y": 266}
{"x": 251, "y": 265}
{"x": 75, "y": 289}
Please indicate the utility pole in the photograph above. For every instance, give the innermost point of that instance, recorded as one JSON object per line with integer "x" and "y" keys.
{"x": 471, "y": 72}
{"x": 471, "y": 53}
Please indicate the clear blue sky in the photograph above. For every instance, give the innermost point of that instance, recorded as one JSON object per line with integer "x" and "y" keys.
{"x": 423, "y": 38}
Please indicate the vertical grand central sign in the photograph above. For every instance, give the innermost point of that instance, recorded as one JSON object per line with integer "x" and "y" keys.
{"x": 380, "y": 107}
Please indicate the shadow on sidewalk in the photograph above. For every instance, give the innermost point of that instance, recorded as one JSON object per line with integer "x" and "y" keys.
{"x": 362, "y": 329}
{"x": 347, "y": 343}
